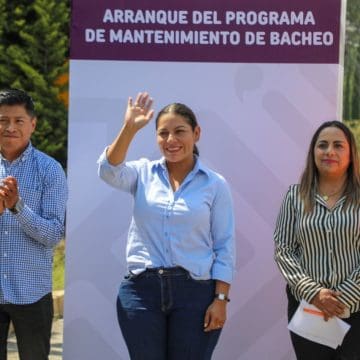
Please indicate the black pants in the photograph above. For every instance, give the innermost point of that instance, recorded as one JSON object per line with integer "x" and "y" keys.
{"x": 32, "y": 325}
{"x": 309, "y": 350}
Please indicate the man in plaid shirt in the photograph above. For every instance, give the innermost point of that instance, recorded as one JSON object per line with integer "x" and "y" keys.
{"x": 33, "y": 194}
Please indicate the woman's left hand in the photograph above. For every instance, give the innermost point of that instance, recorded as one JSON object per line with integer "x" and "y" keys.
{"x": 215, "y": 316}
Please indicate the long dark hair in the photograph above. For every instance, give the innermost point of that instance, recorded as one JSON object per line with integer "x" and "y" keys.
{"x": 309, "y": 177}
{"x": 185, "y": 112}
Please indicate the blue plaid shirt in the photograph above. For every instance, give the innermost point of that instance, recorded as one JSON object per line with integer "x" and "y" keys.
{"x": 27, "y": 239}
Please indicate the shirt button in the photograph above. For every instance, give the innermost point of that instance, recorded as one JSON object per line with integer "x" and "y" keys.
{"x": 6, "y": 232}
{"x": 161, "y": 271}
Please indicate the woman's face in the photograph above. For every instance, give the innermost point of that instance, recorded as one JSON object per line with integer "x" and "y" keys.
{"x": 332, "y": 153}
{"x": 176, "y": 138}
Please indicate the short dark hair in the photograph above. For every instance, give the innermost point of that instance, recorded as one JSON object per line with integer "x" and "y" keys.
{"x": 17, "y": 97}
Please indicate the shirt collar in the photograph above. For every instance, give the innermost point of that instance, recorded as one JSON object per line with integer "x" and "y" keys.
{"x": 198, "y": 167}
{"x": 25, "y": 154}
{"x": 320, "y": 200}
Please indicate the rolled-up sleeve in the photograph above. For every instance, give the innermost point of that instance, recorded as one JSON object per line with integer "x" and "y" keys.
{"x": 122, "y": 176}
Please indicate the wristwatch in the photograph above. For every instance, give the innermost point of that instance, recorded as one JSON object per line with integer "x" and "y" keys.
{"x": 221, "y": 296}
{"x": 18, "y": 206}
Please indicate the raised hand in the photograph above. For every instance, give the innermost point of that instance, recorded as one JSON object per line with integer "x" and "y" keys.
{"x": 139, "y": 113}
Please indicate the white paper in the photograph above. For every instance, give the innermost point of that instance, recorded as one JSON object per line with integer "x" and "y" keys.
{"x": 309, "y": 323}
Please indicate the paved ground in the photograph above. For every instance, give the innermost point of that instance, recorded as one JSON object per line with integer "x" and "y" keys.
{"x": 56, "y": 343}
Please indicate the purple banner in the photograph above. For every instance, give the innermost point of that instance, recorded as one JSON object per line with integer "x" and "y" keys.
{"x": 261, "y": 31}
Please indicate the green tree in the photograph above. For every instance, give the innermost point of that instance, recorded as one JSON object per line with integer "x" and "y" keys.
{"x": 33, "y": 53}
{"x": 352, "y": 62}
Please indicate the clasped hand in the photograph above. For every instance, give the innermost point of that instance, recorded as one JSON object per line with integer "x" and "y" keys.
{"x": 9, "y": 194}
{"x": 327, "y": 301}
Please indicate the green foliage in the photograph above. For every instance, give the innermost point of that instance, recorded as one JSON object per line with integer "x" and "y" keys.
{"x": 352, "y": 62}
{"x": 33, "y": 53}
{"x": 58, "y": 266}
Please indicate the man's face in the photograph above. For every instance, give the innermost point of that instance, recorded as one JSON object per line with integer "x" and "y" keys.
{"x": 16, "y": 127}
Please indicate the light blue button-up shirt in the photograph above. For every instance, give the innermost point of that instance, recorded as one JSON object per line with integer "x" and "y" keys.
{"x": 192, "y": 227}
{"x": 27, "y": 239}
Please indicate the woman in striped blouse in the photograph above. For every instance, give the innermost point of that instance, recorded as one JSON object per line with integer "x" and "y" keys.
{"x": 317, "y": 239}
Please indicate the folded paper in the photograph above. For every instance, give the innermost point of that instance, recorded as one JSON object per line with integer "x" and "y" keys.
{"x": 308, "y": 322}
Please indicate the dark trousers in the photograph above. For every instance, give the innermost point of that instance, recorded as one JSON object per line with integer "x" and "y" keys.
{"x": 32, "y": 325}
{"x": 161, "y": 315}
{"x": 309, "y": 350}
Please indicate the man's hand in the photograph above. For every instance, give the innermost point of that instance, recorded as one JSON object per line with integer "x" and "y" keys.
{"x": 9, "y": 193}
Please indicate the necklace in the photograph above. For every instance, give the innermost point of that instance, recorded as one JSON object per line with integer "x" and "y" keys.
{"x": 326, "y": 197}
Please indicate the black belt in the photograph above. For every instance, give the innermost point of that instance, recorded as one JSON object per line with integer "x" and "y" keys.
{"x": 176, "y": 270}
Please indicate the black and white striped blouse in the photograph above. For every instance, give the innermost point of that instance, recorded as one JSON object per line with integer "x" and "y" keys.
{"x": 320, "y": 248}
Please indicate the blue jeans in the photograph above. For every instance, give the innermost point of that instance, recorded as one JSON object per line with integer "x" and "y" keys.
{"x": 32, "y": 325}
{"x": 161, "y": 315}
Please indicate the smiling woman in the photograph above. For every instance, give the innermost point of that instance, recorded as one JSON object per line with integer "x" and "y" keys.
{"x": 181, "y": 238}
{"x": 317, "y": 236}
{"x": 332, "y": 158}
